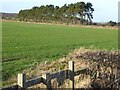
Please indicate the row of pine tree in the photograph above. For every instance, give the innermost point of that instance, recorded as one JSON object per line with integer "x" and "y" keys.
{"x": 74, "y": 13}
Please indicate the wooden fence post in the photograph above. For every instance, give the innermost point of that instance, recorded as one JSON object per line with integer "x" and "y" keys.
{"x": 47, "y": 81}
{"x": 71, "y": 68}
{"x": 22, "y": 80}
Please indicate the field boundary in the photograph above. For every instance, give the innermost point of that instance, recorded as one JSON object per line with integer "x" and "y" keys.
{"x": 46, "y": 78}
{"x": 81, "y": 26}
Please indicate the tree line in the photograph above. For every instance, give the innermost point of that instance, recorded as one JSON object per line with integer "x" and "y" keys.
{"x": 74, "y": 13}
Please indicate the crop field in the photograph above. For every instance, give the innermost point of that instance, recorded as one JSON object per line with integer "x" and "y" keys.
{"x": 26, "y": 44}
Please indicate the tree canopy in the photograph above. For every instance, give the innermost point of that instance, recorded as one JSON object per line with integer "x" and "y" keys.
{"x": 73, "y": 13}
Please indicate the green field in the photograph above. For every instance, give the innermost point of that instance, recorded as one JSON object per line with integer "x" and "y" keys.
{"x": 27, "y": 44}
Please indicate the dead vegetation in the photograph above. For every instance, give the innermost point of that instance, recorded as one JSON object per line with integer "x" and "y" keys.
{"x": 103, "y": 68}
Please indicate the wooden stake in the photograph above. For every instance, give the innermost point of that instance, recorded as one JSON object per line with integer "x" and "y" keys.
{"x": 71, "y": 68}
{"x": 22, "y": 80}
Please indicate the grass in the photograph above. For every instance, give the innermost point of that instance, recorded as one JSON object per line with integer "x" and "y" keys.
{"x": 27, "y": 44}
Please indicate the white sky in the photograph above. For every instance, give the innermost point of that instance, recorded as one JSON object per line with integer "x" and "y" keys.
{"x": 105, "y": 10}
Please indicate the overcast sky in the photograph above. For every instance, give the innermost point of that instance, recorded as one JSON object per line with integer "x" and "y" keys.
{"x": 105, "y": 10}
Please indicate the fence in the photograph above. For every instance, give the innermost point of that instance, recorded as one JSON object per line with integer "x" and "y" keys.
{"x": 46, "y": 78}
